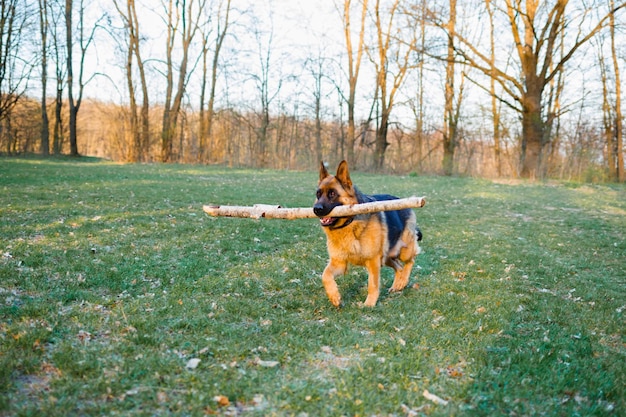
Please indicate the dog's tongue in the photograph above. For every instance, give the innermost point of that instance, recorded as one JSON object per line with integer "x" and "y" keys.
{"x": 326, "y": 220}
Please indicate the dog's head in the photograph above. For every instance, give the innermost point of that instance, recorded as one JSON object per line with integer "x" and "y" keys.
{"x": 333, "y": 191}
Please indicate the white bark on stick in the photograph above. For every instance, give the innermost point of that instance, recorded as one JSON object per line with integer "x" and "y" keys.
{"x": 277, "y": 212}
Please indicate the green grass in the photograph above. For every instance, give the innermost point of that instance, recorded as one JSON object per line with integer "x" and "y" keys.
{"x": 112, "y": 279}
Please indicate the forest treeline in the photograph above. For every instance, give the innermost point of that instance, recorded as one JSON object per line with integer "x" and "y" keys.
{"x": 498, "y": 88}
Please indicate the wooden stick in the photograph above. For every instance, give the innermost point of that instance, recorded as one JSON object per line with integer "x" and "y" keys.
{"x": 277, "y": 212}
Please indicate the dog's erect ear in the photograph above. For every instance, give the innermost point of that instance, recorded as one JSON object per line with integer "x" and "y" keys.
{"x": 323, "y": 172}
{"x": 343, "y": 175}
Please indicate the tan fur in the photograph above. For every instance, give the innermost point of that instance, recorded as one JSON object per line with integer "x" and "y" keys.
{"x": 363, "y": 242}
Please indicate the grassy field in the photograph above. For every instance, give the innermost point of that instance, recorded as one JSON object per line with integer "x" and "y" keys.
{"x": 119, "y": 296}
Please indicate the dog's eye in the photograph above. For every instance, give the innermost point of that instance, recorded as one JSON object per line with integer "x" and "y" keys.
{"x": 319, "y": 193}
{"x": 332, "y": 194}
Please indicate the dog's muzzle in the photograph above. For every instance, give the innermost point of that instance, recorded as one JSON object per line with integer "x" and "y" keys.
{"x": 322, "y": 212}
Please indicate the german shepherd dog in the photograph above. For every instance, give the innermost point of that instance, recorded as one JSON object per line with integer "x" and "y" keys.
{"x": 370, "y": 240}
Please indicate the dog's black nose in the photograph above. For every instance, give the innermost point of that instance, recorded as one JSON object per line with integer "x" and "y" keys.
{"x": 319, "y": 210}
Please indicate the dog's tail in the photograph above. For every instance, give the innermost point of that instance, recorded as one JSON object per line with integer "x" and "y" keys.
{"x": 419, "y": 233}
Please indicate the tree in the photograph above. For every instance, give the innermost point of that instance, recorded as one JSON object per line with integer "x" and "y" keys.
{"x": 14, "y": 71}
{"x": 83, "y": 41}
{"x": 268, "y": 83}
{"x": 206, "y": 121}
{"x": 57, "y": 15}
{"x": 180, "y": 19}
{"x": 495, "y": 109}
{"x": 140, "y": 134}
{"x": 43, "y": 31}
{"x": 451, "y": 113}
{"x": 616, "y": 163}
{"x": 74, "y": 105}
{"x": 391, "y": 62}
{"x": 354, "y": 65}
{"x": 536, "y": 27}
{"x": 316, "y": 68}
{"x": 418, "y": 107}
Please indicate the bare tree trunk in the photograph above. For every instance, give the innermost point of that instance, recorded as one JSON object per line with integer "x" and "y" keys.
{"x": 619, "y": 145}
{"x": 354, "y": 65}
{"x": 202, "y": 122}
{"x": 83, "y": 43}
{"x": 58, "y": 136}
{"x": 167, "y": 132}
{"x": 419, "y": 111}
{"x": 206, "y": 141}
{"x": 143, "y": 140}
{"x": 316, "y": 68}
{"x": 495, "y": 111}
{"x": 388, "y": 79}
{"x": 382, "y": 66}
{"x": 73, "y": 105}
{"x": 133, "y": 147}
{"x": 141, "y": 136}
{"x": 189, "y": 26}
{"x": 450, "y": 126}
{"x": 607, "y": 117}
{"x": 43, "y": 30}
{"x": 57, "y": 143}
{"x": 318, "y": 130}
{"x": 222, "y": 30}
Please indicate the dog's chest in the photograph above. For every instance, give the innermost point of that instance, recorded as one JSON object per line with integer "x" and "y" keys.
{"x": 357, "y": 243}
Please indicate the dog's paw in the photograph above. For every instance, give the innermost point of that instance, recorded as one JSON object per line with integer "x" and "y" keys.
{"x": 370, "y": 302}
{"x": 335, "y": 299}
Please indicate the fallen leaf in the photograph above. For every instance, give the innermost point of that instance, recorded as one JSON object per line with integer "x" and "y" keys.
{"x": 222, "y": 400}
{"x": 267, "y": 364}
{"x": 193, "y": 363}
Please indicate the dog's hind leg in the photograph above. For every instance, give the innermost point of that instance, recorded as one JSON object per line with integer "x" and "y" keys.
{"x": 332, "y": 270}
{"x": 407, "y": 255}
{"x": 401, "y": 278}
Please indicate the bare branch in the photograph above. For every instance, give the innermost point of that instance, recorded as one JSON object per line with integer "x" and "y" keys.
{"x": 277, "y": 212}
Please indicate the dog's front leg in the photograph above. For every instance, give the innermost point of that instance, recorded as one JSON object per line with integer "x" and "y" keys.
{"x": 373, "y": 281}
{"x": 332, "y": 270}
